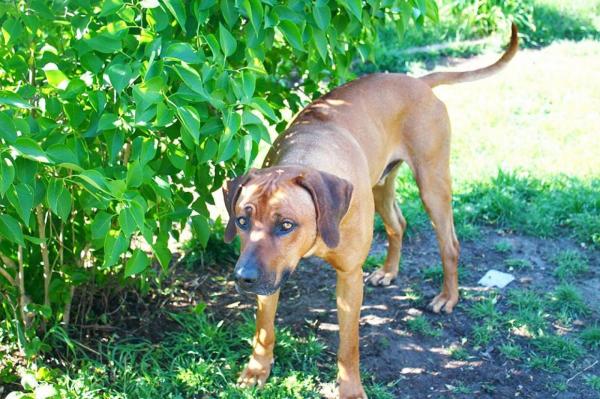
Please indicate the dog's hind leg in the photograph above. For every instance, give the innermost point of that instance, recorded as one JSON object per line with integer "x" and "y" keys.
{"x": 395, "y": 224}
{"x": 435, "y": 187}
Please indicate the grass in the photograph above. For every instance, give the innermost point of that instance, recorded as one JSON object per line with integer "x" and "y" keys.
{"x": 420, "y": 325}
{"x": 570, "y": 264}
{"x": 511, "y": 351}
{"x": 201, "y": 358}
{"x": 591, "y": 337}
{"x": 518, "y": 264}
{"x": 503, "y": 247}
{"x": 593, "y": 381}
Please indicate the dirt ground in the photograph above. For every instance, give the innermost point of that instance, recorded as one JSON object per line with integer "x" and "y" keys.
{"x": 417, "y": 366}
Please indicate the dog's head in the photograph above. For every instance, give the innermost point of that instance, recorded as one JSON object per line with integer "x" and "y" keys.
{"x": 279, "y": 214}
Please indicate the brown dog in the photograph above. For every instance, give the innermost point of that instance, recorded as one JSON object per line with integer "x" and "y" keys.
{"x": 322, "y": 181}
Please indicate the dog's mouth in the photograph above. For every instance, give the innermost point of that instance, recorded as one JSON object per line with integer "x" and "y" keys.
{"x": 264, "y": 288}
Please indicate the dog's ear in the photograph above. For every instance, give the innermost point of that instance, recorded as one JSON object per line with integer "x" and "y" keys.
{"x": 331, "y": 196}
{"x": 231, "y": 193}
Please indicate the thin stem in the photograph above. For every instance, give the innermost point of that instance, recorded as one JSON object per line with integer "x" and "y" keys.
{"x": 7, "y": 276}
{"x": 45, "y": 258}
{"x": 22, "y": 295}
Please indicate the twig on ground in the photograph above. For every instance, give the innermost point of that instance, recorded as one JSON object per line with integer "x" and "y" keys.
{"x": 582, "y": 371}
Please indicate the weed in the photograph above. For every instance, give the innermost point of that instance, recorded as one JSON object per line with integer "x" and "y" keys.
{"x": 467, "y": 231}
{"x": 459, "y": 387}
{"x": 591, "y": 337}
{"x": 593, "y": 381}
{"x": 566, "y": 298}
{"x": 434, "y": 273}
{"x": 570, "y": 264}
{"x": 512, "y": 351}
{"x": 525, "y": 300}
{"x": 546, "y": 363}
{"x": 373, "y": 262}
{"x": 485, "y": 310}
{"x": 483, "y": 334}
{"x": 559, "y": 348}
{"x": 420, "y": 325}
{"x": 503, "y": 247}
{"x": 459, "y": 353}
{"x": 518, "y": 264}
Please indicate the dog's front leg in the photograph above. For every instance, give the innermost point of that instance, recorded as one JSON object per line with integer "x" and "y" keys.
{"x": 349, "y": 292}
{"x": 259, "y": 367}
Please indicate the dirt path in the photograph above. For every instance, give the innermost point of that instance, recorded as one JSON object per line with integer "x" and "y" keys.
{"x": 420, "y": 365}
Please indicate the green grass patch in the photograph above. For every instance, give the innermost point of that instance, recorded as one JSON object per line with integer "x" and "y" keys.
{"x": 459, "y": 353}
{"x": 201, "y": 359}
{"x": 512, "y": 351}
{"x": 518, "y": 264}
{"x": 420, "y": 325}
{"x": 591, "y": 337}
{"x": 503, "y": 247}
{"x": 570, "y": 263}
{"x": 566, "y": 299}
{"x": 373, "y": 262}
{"x": 558, "y": 347}
{"x": 593, "y": 381}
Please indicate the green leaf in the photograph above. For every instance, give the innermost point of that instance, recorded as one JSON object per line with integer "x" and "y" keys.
{"x": 254, "y": 11}
{"x": 135, "y": 174}
{"x": 190, "y": 119}
{"x": 177, "y": 8}
{"x": 322, "y": 15}
{"x": 138, "y": 209}
{"x": 13, "y": 99}
{"x": 201, "y": 229}
{"x": 248, "y": 83}
{"x": 126, "y": 221}
{"x": 107, "y": 121}
{"x": 110, "y": 7}
{"x": 21, "y": 198}
{"x": 229, "y": 12}
{"x": 163, "y": 254}
{"x": 95, "y": 179}
{"x": 11, "y": 230}
{"x": 191, "y": 78}
{"x": 291, "y": 33}
{"x": 263, "y": 106}
{"x": 58, "y": 198}
{"x": 61, "y": 153}
{"x": 105, "y": 43}
{"x": 28, "y": 148}
{"x": 228, "y": 43}
{"x": 119, "y": 76}
{"x": 55, "y": 77}
{"x": 101, "y": 225}
{"x": 148, "y": 151}
{"x": 321, "y": 43}
{"x": 115, "y": 245}
{"x": 137, "y": 263}
{"x": 182, "y": 51}
{"x": 355, "y": 7}
{"x": 7, "y": 174}
{"x": 8, "y": 131}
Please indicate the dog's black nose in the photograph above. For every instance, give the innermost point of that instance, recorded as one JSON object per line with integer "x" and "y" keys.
{"x": 246, "y": 275}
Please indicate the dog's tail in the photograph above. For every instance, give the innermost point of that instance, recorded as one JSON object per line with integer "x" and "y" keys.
{"x": 444, "y": 78}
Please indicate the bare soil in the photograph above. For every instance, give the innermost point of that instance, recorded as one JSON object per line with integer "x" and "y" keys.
{"x": 418, "y": 366}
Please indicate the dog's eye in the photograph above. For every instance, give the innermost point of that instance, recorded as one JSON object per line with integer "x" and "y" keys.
{"x": 242, "y": 222}
{"x": 286, "y": 226}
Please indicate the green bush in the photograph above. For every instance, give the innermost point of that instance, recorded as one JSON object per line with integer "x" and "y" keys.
{"x": 118, "y": 120}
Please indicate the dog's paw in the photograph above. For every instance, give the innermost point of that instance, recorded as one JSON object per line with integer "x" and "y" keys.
{"x": 381, "y": 277}
{"x": 349, "y": 390}
{"x": 443, "y": 301}
{"x": 255, "y": 373}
